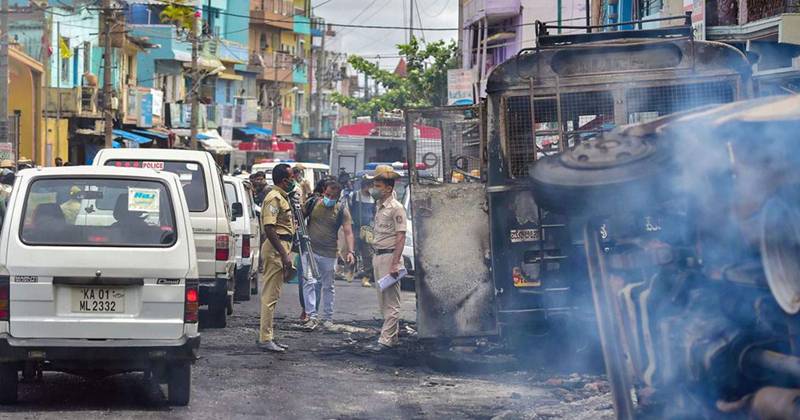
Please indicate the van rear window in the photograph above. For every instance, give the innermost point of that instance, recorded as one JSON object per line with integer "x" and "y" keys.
{"x": 67, "y": 212}
{"x": 190, "y": 173}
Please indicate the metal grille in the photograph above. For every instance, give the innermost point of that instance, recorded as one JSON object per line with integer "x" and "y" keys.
{"x": 646, "y": 104}
{"x": 583, "y": 115}
{"x": 448, "y": 144}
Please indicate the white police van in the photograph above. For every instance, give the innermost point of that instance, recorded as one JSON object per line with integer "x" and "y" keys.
{"x": 210, "y": 213}
{"x": 98, "y": 275}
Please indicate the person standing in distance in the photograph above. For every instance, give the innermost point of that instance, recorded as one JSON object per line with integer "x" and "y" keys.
{"x": 389, "y": 237}
{"x": 279, "y": 229}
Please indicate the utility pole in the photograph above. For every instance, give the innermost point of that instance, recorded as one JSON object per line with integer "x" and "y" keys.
{"x": 196, "y": 80}
{"x": 411, "y": 21}
{"x": 276, "y": 95}
{"x": 4, "y": 75}
{"x": 107, "y": 51}
{"x": 321, "y": 68}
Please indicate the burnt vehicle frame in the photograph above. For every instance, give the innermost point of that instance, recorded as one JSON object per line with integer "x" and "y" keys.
{"x": 566, "y": 90}
{"x": 694, "y": 262}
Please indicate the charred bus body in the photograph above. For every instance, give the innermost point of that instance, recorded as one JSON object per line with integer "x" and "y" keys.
{"x": 517, "y": 267}
{"x": 693, "y": 250}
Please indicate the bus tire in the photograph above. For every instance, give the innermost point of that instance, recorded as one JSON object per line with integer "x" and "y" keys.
{"x": 9, "y": 380}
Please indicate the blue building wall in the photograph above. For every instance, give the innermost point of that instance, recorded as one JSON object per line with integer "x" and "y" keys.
{"x": 171, "y": 49}
{"x": 77, "y": 28}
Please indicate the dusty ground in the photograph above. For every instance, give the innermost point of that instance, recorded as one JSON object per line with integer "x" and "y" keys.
{"x": 325, "y": 375}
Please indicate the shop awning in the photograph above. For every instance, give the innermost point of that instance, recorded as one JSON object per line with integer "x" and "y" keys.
{"x": 127, "y": 135}
{"x": 156, "y": 134}
{"x": 256, "y": 131}
{"x": 214, "y": 143}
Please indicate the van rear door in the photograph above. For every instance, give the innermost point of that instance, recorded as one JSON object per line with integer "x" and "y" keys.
{"x": 97, "y": 258}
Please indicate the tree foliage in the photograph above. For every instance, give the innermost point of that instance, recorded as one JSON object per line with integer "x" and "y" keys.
{"x": 179, "y": 13}
{"x": 425, "y": 83}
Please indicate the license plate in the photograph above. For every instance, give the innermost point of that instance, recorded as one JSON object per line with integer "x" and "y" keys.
{"x": 98, "y": 300}
{"x": 524, "y": 235}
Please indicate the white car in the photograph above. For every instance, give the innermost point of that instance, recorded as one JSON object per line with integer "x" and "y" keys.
{"x": 246, "y": 230}
{"x": 210, "y": 213}
{"x": 99, "y": 276}
{"x": 314, "y": 172}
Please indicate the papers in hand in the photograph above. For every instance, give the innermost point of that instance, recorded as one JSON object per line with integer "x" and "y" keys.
{"x": 388, "y": 280}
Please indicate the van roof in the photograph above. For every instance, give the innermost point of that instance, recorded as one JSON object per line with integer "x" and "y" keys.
{"x": 155, "y": 154}
{"x": 67, "y": 171}
{"x": 292, "y": 164}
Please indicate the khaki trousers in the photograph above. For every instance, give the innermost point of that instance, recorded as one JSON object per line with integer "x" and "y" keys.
{"x": 270, "y": 283}
{"x": 388, "y": 300}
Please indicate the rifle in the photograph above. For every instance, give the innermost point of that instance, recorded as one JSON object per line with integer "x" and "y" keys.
{"x": 301, "y": 234}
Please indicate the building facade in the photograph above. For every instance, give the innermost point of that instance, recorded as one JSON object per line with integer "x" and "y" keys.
{"x": 492, "y": 31}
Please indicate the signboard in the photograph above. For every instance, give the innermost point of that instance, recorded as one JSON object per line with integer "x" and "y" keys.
{"x": 6, "y": 151}
{"x": 459, "y": 87}
{"x": 158, "y": 103}
{"x": 146, "y": 109}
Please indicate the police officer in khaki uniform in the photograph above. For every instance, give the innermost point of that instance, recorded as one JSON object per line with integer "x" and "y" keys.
{"x": 279, "y": 228}
{"x": 389, "y": 238}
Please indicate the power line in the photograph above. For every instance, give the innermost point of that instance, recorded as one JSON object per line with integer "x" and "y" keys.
{"x": 420, "y": 24}
{"x": 321, "y": 4}
{"x": 439, "y": 13}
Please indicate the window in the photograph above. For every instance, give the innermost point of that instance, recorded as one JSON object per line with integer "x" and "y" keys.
{"x": 191, "y": 175}
{"x": 98, "y": 212}
{"x": 228, "y": 92}
{"x": 230, "y": 193}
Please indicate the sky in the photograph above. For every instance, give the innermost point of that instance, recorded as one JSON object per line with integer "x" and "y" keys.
{"x": 370, "y": 42}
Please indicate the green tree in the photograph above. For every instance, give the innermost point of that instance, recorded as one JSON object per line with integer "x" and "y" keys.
{"x": 425, "y": 82}
{"x": 179, "y": 13}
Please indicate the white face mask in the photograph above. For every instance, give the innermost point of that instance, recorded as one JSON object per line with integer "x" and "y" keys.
{"x": 375, "y": 193}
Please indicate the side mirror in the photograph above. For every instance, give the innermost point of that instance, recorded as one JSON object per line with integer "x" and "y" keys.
{"x": 237, "y": 210}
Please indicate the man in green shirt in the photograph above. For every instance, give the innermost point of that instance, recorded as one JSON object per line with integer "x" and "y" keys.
{"x": 326, "y": 215}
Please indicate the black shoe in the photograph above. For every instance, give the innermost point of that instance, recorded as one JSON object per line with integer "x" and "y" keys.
{"x": 271, "y": 346}
{"x": 281, "y": 345}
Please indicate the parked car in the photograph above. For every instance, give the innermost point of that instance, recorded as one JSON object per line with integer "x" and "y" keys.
{"x": 98, "y": 275}
{"x": 210, "y": 214}
{"x": 246, "y": 230}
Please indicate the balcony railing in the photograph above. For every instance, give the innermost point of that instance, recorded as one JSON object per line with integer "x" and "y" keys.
{"x": 274, "y": 66}
{"x": 81, "y": 100}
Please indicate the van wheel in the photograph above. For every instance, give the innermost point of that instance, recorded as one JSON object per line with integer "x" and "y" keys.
{"x": 242, "y": 290}
{"x": 9, "y": 378}
{"x": 217, "y": 312}
{"x": 179, "y": 384}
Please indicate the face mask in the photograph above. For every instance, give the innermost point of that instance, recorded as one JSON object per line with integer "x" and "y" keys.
{"x": 376, "y": 193}
{"x": 327, "y": 202}
{"x": 290, "y": 187}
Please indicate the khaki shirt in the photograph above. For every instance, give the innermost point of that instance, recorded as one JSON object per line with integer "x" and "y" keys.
{"x": 390, "y": 218}
{"x": 277, "y": 211}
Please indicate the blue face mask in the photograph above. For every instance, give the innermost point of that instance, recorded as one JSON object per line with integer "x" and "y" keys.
{"x": 327, "y": 202}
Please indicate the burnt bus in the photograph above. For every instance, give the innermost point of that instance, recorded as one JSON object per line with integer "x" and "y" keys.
{"x": 692, "y": 243}
{"x": 514, "y": 266}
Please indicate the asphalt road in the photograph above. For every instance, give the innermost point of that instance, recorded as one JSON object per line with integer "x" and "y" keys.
{"x": 324, "y": 375}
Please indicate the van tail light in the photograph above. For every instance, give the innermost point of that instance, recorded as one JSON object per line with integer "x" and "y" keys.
{"x": 245, "y": 246}
{"x": 223, "y": 250}
{"x": 192, "y": 303}
{"x": 5, "y": 298}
